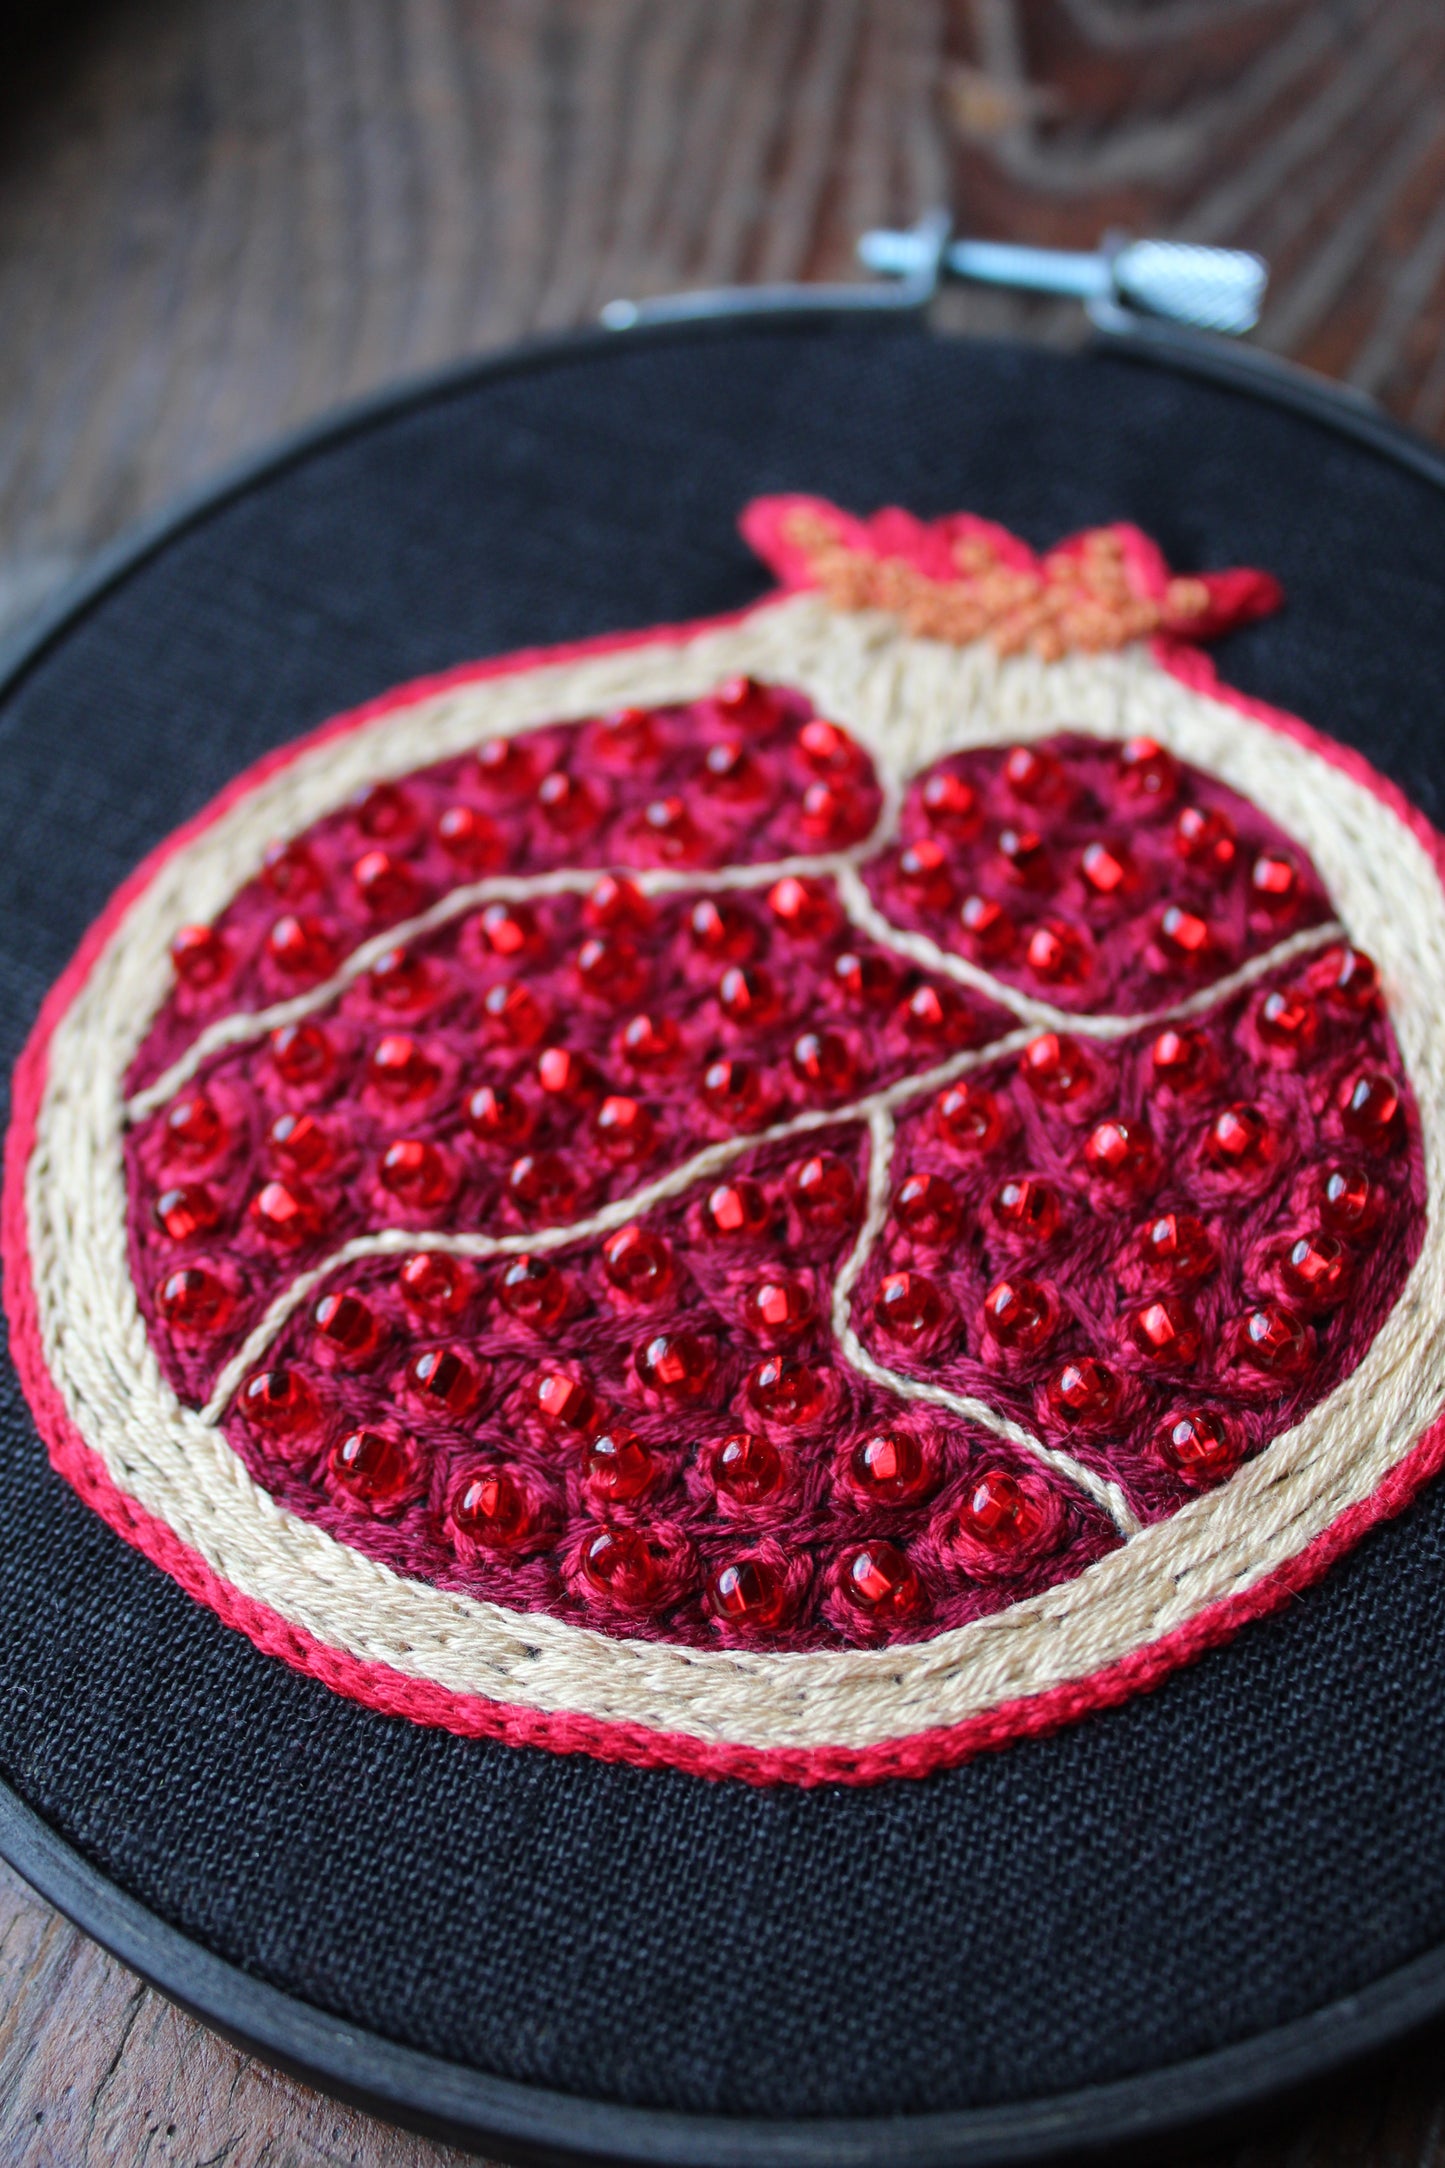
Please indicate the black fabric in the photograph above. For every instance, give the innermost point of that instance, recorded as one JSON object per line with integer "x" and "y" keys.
{"x": 1263, "y": 1834}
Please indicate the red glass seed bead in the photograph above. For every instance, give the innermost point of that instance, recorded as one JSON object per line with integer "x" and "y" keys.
{"x": 827, "y": 749}
{"x": 676, "y": 1365}
{"x": 1165, "y": 1332}
{"x": 1176, "y": 1248}
{"x": 383, "y": 812}
{"x": 667, "y": 827}
{"x": 867, "y": 981}
{"x": 925, "y": 875}
{"x": 1199, "y": 1444}
{"x": 1108, "y": 871}
{"x": 908, "y": 1307}
{"x": 348, "y": 1331}
{"x": 623, "y": 1128}
{"x": 638, "y": 1263}
{"x": 611, "y": 971}
{"x": 1369, "y": 1106}
{"x": 1026, "y": 1210}
{"x": 1182, "y": 939}
{"x": 403, "y": 981}
{"x": 510, "y": 930}
{"x": 650, "y": 1043}
{"x": 748, "y": 1592}
{"x": 567, "y": 803}
{"x": 1121, "y": 1155}
{"x": 472, "y": 842}
{"x": 1275, "y": 884}
{"x": 201, "y": 957}
{"x": 1346, "y": 978}
{"x": 880, "y": 1580}
{"x": 371, "y": 1465}
{"x": 926, "y": 1207}
{"x": 301, "y": 948}
{"x": 824, "y": 1064}
{"x": 616, "y": 905}
{"x": 495, "y": 1114}
{"x": 937, "y": 1016}
{"x": 734, "y": 1092}
{"x": 301, "y": 1143}
{"x": 505, "y": 769}
{"x": 626, "y": 738}
{"x": 988, "y": 931}
{"x": 302, "y": 1054}
{"x": 748, "y": 997}
{"x": 565, "y": 1403}
{"x": 836, "y": 813}
{"x": 401, "y": 1071}
{"x": 1241, "y": 1141}
{"x": 544, "y": 1186}
{"x": 746, "y": 704}
{"x": 778, "y": 1307}
{"x": 626, "y": 1565}
{"x": 188, "y": 1210}
{"x": 1288, "y": 1023}
{"x": 1056, "y": 1068}
{"x": 195, "y": 1299}
{"x": 722, "y": 930}
{"x": 415, "y": 1173}
{"x": 512, "y": 1015}
{"x": 747, "y": 1469}
{"x": 1205, "y": 841}
{"x": 1035, "y": 777}
{"x": 1001, "y": 1513}
{"x": 730, "y": 772}
{"x": 1020, "y": 1315}
{"x": 971, "y": 1119}
{"x": 443, "y": 1381}
{"x": 787, "y": 1392}
{"x": 1058, "y": 953}
{"x": 567, "y": 1076}
{"x": 1182, "y": 1059}
{"x": 823, "y": 1188}
{"x": 280, "y": 1404}
{"x": 386, "y": 885}
{"x": 491, "y": 1507}
{"x": 1318, "y": 1270}
{"x": 950, "y": 802}
{"x": 434, "y": 1285}
{"x": 890, "y": 1469}
{"x": 617, "y": 1468}
{"x": 1348, "y": 1201}
{"x": 533, "y": 1291}
{"x": 737, "y": 1211}
{"x": 290, "y": 871}
{"x": 194, "y": 1131}
{"x": 1083, "y": 1391}
{"x": 1026, "y": 857}
{"x": 1272, "y": 1337}
{"x": 1147, "y": 776}
{"x": 803, "y": 909}
{"x": 288, "y": 1213}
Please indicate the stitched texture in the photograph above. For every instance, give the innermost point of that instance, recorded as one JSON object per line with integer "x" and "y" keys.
{"x": 1016, "y": 2002}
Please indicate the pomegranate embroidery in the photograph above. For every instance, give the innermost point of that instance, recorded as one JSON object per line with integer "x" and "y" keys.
{"x": 795, "y": 1197}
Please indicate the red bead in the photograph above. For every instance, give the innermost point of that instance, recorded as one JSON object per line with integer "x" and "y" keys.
{"x": 950, "y": 802}
{"x": 401, "y": 1071}
{"x": 1056, "y": 1069}
{"x": 1317, "y": 1270}
{"x": 512, "y": 1015}
{"x": 533, "y": 1291}
{"x": 348, "y": 1331}
{"x": 1205, "y": 841}
{"x": 638, "y": 1264}
{"x": 201, "y": 957}
{"x": 1108, "y": 871}
{"x": 747, "y": 1469}
{"x": 787, "y": 1392}
{"x": 927, "y": 1209}
{"x": 1026, "y": 857}
{"x": 988, "y": 931}
{"x": 1176, "y": 1248}
{"x": 678, "y": 1366}
{"x": 667, "y": 828}
{"x": 617, "y": 1468}
{"x": 415, "y": 1173}
{"x": 403, "y": 982}
{"x": 387, "y": 886}
{"x": 624, "y": 1129}
{"x": 1348, "y": 1202}
{"x": 868, "y": 981}
{"x": 836, "y": 813}
{"x": 444, "y": 1382}
{"x": 824, "y": 1064}
{"x": 748, "y": 1592}
{"x": 1346, "y": 978}
{"x": 971, "y": 1119}
{"x": 827, "y": 750}
{"x": 746, "y": 705}
{"x": 778, "y": 1307}
{"x": 1182, "y": 939}
{"x": 505, "y": 769}
{"x": 1026, "y": 1210}
{"x": 1240, "y": 1141}
{"x": 543, "y": 1186}
{"x": 908, "y": 1307}
{"x": 371, "y": 1465}
{"x": 1147, "y": 775}
{"x": 937, "y": 1016}
{"x": 290, "y": 872}
{"x": 563, "y": 1402}
{"x": 823, "y": 1189}
{"x": 288, "y": 1213}
{"x": 730, "y": 772}
{"x": 1021, "y": 1315}
{"x": 890, "y": 1468}
{"x": 1083, "y": 1391}
{"x": 510, "y": 930}
{"x": 924, "y": 874}
{"x": 301, "y": 947}
{"x": 1275, "y": 884}
{"x": 1199, "y": 1444}
{"x": 748, "y": 997}
{"x": 491, "y": 1507}
{"x": 1369, "y": 1104}
{"x": 626, "y": 738}
{"x": 434, "y": 1285}
{"x": 1001, "y": 1513}
{"x": 1035, "y": 777}
{"x": 1121, "y": 1156}
{"x": 628, "y": 1566}
{"x": 195, "y": 1300}
{"x": 1273, "y": 1338}
{"x": 567, "y": 803}
{"x": 470, "y": 840}
{"x": 1182, "y": 1059}
{"x": 803, "y": 909}
{"x": 301, "y": 1143}
{"x": 650, "y": 1043}
{"x": 1058, "y": 953}
{"x": 495, "y": 1114}
{"x": 186, "y": 1211}
{"x": 737, "y": 1211}
{"x": 734, "y": 1092}
{"x": 193, "y": 1131}
{"x": 281, "y": 1405}
{"x": 1288, "y": 1023}
{"x": 1165, "y": 1332}
{"x": 723, "y": 930}
{"x": 567, "y": 1076}
{"x": 383, "y": 813}
{"x": 611, "y": 971}
{"x": 879, "y": 1579}
{"x": 301, "y": 1054}
{"x": 616, "y": 905}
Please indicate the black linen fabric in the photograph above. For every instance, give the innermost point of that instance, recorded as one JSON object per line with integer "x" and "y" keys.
{"x": 1263, "y": 1834}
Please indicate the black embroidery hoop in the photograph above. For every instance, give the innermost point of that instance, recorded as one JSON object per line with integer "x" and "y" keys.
{"x": 92, "y": 1855}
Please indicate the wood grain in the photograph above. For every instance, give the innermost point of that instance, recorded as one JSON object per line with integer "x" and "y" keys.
{"x": 220, "y": 217}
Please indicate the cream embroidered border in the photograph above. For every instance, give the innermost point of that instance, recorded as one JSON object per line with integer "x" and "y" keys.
{"x": 909, "y": 701}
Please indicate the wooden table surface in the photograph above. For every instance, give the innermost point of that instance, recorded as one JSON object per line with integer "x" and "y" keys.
{"x": 219, "y": 217}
